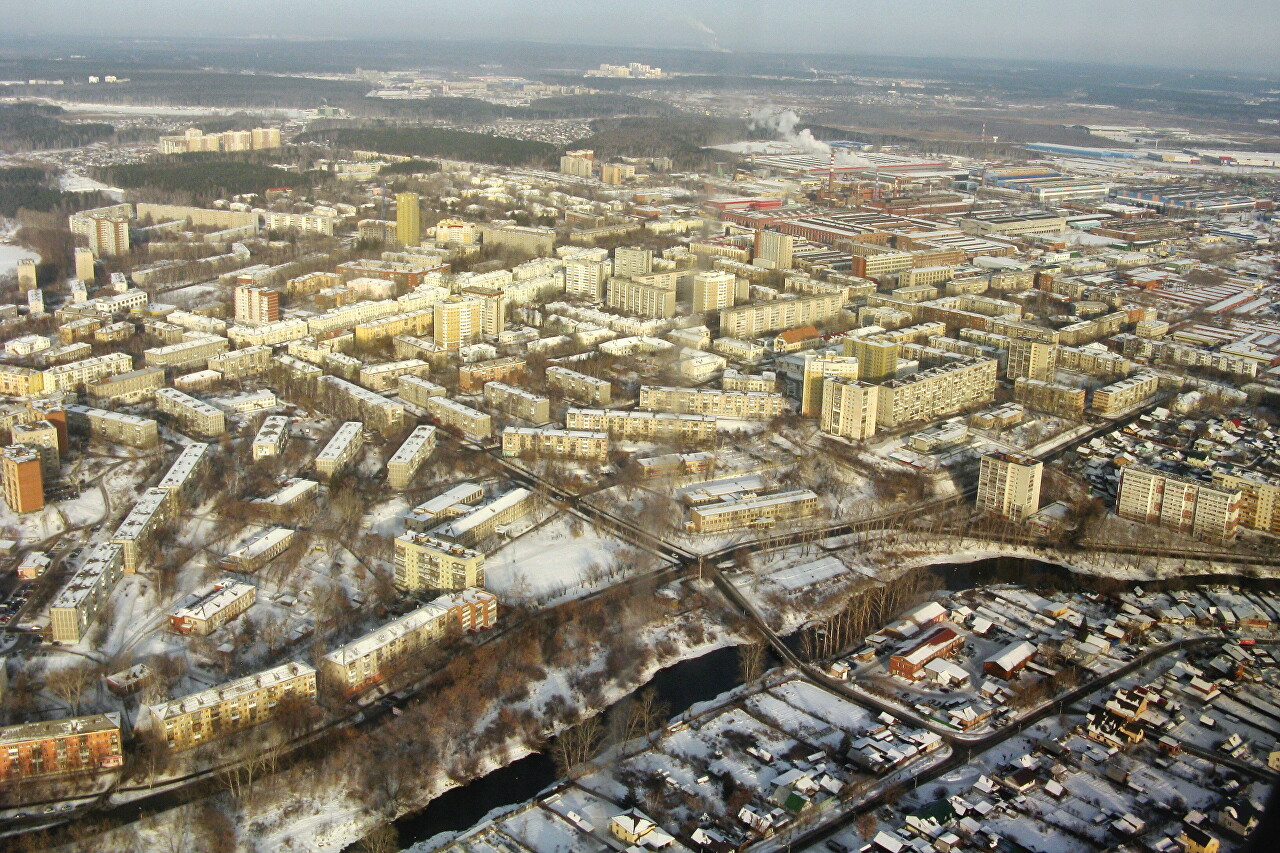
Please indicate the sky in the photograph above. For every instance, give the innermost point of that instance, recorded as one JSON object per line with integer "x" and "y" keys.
{"x": 1192, "y": 34}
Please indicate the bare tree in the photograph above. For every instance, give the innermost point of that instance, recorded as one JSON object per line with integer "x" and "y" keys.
{"x": 383, "y": 839}
{"x": 70, "y": 683}
{"x": 751, "y": 661}
{"x": 576, "y": 745}
{"x": 646, "y": 714}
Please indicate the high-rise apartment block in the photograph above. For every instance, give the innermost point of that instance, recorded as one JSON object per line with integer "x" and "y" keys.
{"x": 1009, "y": 485}
{"x": 408, "y": 219}
{"x": 585, "y": 277}
{"x": 631, "y": 261}
{"x": 27, "y": 275}
{"x": 1031, "y": 360}
{"x": 578, "y": 163}
{"x": 642, "y": 300}
{"x": 848, "y": 408}
{"x": 257, "y": 306}
{"x": 773, "y": 250}
{"x": 458, "y": 322}
{"x": 21, "y": 478}
{"x": 713, "y": 291}
{"x": 1178, "y": 503}
{"x": 818, "y": 367}
{"x": 1260, "y": 498}
{"x": 84, "y": 265}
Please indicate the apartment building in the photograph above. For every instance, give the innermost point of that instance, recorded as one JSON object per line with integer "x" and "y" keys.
{"x": 428, "y": 562}
{"x": 517, "y": 402}
{"x": 1179, "y": 503}
{"x": 741, "y": 405}
{"x": 414, "y": 322}
{"x": 1119, "y": 397}
{"x": 43, "y": 437}
{"x": 408, "y": 219}
{"x": 18, "y": 381}
{"x": 193, "y": 352}
{"x": 384, "y": 375}
{"x": 416, "y": 390}
{"x": 749, "y": 510}
{"x": 472, "y": 377}
{"x": 185, "y": 475}
{"x": 1260, "y": 498}
{"x": 644, "y": 426}
{"x": 406, "y": 461}
{"x": 294, "y": 499}
{"x": 114, "y": 427}
{"x": 215, "y": 605}
{"x": 773, "y": 250}
{"x": 270, "y": 438}
{"x": 457, "y": 322}
{"x": 232, "y": 707}
{"x": 53, "y": 748}
{"x": 555, "y": 444}
{"x": 1061, "y": 400}
{"x": 1032, "y": 360}
{"x": 191, "y": 414}
{"x": 106, "y": 233}
{"x": 639, "y": 299}
{"x": 450, "y": 414}
{"x": 259, "y": 551}
{"x": 350, "y": 316}
{"x": 76, "y": 606}
{"x": 306, "y": 223}
{"x": 128, "y": 388}
{"x": 72, "y": 376}
{"x": 585, "y": 276}
{"x": 849, "y": 408}
{"x": 761, "y": 318}
{"x": 489, "y": 519}
{"x": 936, "y": 392}
{"x": 138, "y": 531}
{"x": 579, "y": 387}
{"x": 456, "y": 501}
{"x": 818, "y": 367}
{"x": 347, "y": 399}
{"x": 248, "y": 361}
{"x": 1094, "y": 362}
{"x": 22, "y": 478}
{"x": 1009, "y": 485}
{"x": 341, "y": 448}
{"x": 370, "y": 660}
{"x": 256, "y": 306}
{"x": 269, "y": 335}
{"x": 715, "y": 291}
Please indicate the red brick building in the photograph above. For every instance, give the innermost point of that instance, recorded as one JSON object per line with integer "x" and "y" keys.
{"x": 55, "y": 747}
{"x": 941, "y": 643}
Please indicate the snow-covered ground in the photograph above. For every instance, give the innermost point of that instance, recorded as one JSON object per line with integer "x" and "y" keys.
{"x": 563, "y": 559}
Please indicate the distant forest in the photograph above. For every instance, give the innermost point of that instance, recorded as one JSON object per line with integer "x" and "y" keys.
{"x": 204, "y": 176}
{"x": 30, "y": 188}
{"x": 438, "y": 142}
{"x": 34, "y": 127}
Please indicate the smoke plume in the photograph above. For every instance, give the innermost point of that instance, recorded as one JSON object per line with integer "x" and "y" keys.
{"x": 783, "y": 124}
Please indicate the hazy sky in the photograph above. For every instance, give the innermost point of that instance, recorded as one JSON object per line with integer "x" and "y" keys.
{"x": 1233, "y": 34}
